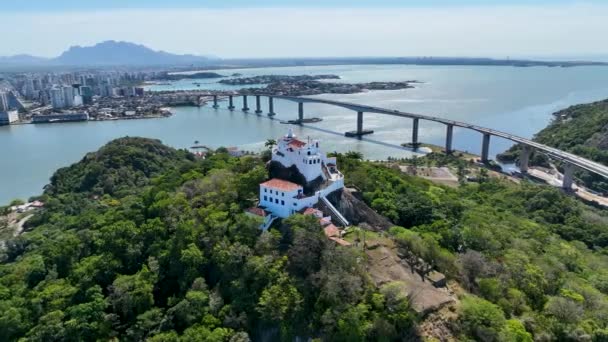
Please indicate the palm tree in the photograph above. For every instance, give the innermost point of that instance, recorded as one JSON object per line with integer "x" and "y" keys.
{"x": 270, "y": 143}
{"x": 354, "y": 155}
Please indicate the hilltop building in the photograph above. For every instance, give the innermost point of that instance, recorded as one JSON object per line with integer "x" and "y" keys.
{"x": 280, "y": 198}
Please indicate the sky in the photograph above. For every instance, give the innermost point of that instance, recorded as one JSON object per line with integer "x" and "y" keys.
{"x": 314, "y": 28}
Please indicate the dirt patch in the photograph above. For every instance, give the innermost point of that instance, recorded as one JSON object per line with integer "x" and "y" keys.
{"x": 385, "y": 267}
{"x": 440, "y": 175}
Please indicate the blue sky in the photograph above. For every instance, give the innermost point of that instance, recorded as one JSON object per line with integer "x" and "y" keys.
{"x": 63, "y": 5}
{"x": 284, "y": 28}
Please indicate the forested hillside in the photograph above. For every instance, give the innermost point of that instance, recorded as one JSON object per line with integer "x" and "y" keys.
{"x": 143, "y": 242}
{"x": 580, "y": 129}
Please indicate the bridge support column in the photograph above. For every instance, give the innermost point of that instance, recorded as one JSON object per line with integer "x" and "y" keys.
{"x": 485, "y": 148}
{"x": 300, "y": 112}
{"x": 568, "y": 176}
{"x": 448, "y": 138}
{"x": 360, "y": 131}
{"x": 245, "y": 108}
{"x": 524, "y": 158}
{"x": 415, "y": 142}
{"x": 230, "y": 102}
{"x": 215, "y": 102}
{"x": 271, "y": 106}
{"x": 258, "y": 105}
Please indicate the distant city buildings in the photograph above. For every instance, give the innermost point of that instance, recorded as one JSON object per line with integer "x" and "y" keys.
{"x": 87, "y": 95}
{"x": 68, "y": 96}
{"x": 8, "y": 113}
{"x": 3, "y": 101}
{"x": 57, "y": 98}
{"x": 105, "y": 94}
{"x": 8, "y": 117}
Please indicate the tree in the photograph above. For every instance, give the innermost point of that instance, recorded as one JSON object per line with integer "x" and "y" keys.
{"x": 16, "y": 202}
{"x": 270, "y": 143}
{"x": 353, "y": 155}
{"x": 415, "y": 162}
{"x": 462, "y": 173}
{"x": 514, "y": 331}
{"x": 353, "y": 324}
{"x": 565, "y": 310}
{"x": 131, "y": 295}
{"x": 481, "y": 318}
{"x": 397, "y": 306}
{"x": 279, "y": 302}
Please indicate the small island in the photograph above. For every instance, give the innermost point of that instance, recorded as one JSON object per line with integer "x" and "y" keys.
{"x": 269, "y": 79}
{"x": 194, "y": 76}
{"x": 310, "y": 85}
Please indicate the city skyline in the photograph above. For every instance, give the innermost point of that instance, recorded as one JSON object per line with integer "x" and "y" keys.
{"x": 539, "y": 29}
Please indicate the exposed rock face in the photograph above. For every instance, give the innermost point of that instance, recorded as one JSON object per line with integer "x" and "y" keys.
{"x": 292, "y": 174}
{"x": 356, "y": 211}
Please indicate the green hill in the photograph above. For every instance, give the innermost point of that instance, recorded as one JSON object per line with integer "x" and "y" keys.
{"x": 139, "y": 241}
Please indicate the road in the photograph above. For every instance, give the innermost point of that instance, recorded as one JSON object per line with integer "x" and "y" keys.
{"x": 554, "y": 178}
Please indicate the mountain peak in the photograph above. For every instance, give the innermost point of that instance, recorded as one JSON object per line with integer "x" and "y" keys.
{"x": 111, "y": 52}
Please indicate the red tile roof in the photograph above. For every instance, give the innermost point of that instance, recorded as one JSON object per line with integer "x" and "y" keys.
{"x": 280, "y": 184}
{"x": 332, "y": 231}
{"x": 296, "y": 143}
{"x": 313, "y": 211}
{"x": 257, "y": 211}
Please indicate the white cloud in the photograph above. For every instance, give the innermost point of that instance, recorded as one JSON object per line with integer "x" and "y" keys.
{"x": 466, "y": 31}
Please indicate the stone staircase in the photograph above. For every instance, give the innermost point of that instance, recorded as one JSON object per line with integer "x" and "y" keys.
{"x": 335, "y": 213}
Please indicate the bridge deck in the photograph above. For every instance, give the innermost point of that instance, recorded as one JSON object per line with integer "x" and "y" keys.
{"x": 554, "y": 152}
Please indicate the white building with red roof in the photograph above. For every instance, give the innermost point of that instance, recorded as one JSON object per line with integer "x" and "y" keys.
{"x": 283, "y": 198}
{"x": 306, "y": 156}
{"x": 280, "y": 198}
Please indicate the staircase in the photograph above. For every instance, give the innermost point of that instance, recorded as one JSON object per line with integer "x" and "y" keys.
{"x": 268, "y": 222}
{"x": 325, "y": 171}
{"x": 335, "y": 211}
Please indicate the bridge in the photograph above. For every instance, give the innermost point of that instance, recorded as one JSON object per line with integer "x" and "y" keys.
{"x": 570, "y": 160}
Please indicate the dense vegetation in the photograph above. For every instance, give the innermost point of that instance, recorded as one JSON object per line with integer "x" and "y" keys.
{"x": 580, "y": 129}
{"x": 536, "y": 259}
{"x": 144, "y": 242}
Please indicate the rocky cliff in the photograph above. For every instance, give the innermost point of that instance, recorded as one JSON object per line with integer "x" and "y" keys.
{"x": 292, "y": 174}
{"x": 356, "y": 211}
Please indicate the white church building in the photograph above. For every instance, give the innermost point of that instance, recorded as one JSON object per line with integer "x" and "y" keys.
{"x": 280, "y": 198}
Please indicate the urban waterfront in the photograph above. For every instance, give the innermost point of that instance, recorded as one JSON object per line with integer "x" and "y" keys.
{"x": 515, "y": 100}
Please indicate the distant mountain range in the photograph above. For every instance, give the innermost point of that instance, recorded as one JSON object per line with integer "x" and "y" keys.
{"x": 114, "y": 53}
{"x": 109, "y": 53}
